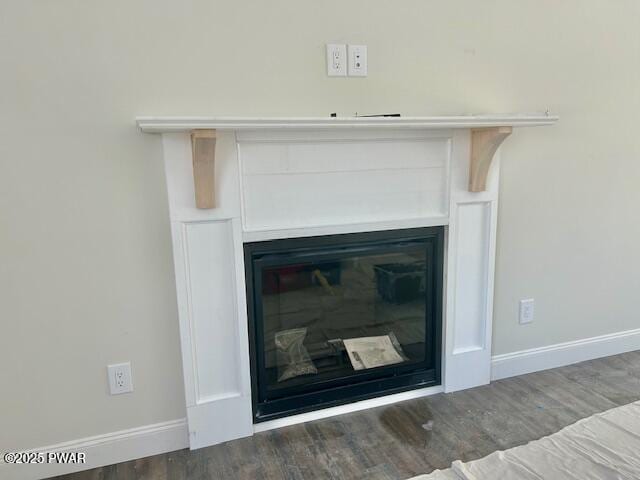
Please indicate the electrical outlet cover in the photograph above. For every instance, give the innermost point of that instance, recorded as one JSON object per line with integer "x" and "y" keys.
{"x": 336, "y": 60}
{"x": 120, "y": 381}
{"x": 526, "y": 311}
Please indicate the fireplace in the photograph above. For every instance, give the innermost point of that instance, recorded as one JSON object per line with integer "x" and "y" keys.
{"x": 338, "y": 318}
{"x": 332, "y": 219}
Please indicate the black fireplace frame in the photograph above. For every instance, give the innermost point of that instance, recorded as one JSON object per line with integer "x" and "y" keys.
{"x": 370, "y": 384}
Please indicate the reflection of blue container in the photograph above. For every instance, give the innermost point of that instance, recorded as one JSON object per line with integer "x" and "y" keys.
{"x": 401, "y": 282}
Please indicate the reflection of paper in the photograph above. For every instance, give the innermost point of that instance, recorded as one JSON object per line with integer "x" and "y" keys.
{"x": 371, "y": 352}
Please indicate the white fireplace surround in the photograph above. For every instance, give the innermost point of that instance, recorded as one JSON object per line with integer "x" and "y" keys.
{"x": 293, "y": 177}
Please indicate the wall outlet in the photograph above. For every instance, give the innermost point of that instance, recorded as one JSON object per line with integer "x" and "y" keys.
{"x": 526, "y": 311}
{"x": 120, "y": 378}
{"x": 336, "y": 60}
{"x": 357, "y": 60}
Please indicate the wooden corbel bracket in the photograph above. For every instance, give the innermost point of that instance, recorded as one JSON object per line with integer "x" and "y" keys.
{"x": 484, "y": 143}
{"x": 203, "y": 150}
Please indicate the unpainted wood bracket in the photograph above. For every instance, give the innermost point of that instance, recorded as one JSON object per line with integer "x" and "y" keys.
{"x": 484, "y": 143}
{"x": 203, "y": 150}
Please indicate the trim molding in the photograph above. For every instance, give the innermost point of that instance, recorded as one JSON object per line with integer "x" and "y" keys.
{"x": 561, "y": 354}
{"x": 106, "y": 449}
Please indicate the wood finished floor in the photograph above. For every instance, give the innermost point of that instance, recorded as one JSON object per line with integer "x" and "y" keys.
{"x": 390, "y": 443}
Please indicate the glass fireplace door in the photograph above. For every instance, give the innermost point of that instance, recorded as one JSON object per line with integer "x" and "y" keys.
{"x": 335, "y": 317}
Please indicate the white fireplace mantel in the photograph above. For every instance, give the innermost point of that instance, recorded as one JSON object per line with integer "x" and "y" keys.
{"x": 237, "y": 180}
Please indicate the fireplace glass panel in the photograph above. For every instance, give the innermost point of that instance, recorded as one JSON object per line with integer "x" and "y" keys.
{"x": 344, "y": 316}
{"x": 310, "y": 309}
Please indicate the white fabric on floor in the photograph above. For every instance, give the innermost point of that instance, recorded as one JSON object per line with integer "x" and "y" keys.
{"x": 601, "y": 447}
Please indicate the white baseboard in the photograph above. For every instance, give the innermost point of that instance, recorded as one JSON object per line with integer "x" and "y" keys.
{"x": 561, "y": 354}
{"x": 348, "y": 408}
{"x": 105, "y": 449}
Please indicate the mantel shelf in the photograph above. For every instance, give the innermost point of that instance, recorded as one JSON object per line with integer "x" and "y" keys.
{"x": 187, "y": 124}
{"x": 487, "y": 133}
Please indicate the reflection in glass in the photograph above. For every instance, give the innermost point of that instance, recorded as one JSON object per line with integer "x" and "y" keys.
{"x": 310, "y": 309}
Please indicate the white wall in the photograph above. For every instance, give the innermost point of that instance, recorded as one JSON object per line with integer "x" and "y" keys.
{"x": 86, "y": 272}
